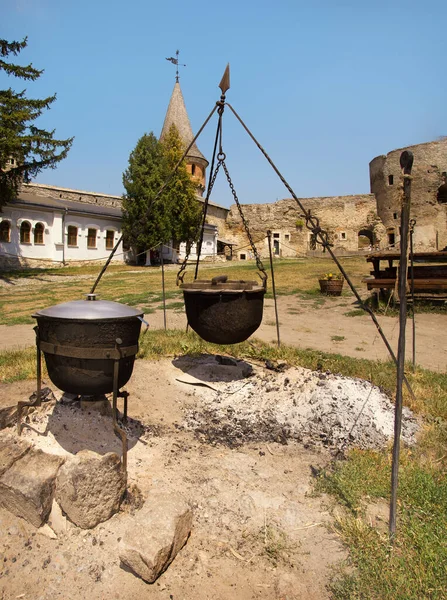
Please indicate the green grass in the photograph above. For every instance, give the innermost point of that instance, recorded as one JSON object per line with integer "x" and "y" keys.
{"x": 356, "y": 312}
{"x": 338, "y": 338}
{"x": 17, "y": 365}
{"x": 415, "y": 566}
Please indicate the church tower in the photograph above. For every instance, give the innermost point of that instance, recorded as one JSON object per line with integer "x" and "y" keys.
{"x": 176, "y": 115}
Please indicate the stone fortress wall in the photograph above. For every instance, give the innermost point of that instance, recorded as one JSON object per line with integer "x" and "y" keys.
{"x": 428, "y": 193}
{"x": 343, "y": 217}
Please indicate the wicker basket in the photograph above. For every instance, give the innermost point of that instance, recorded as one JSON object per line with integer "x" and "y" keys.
{"x": 331, "y": 287}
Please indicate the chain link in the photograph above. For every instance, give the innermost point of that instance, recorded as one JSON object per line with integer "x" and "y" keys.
{"x": 181, "y": 273}
{"x": 263, "y": 275}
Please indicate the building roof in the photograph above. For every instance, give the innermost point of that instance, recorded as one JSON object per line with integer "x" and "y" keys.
{"x": 38, "y": 201}
{"x": 177, "y": 115}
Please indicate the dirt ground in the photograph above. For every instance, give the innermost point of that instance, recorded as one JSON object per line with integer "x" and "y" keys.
{"x": 259, "y": 530}
{"x": 320, "y": 325}
{"x": 241, "y": 444}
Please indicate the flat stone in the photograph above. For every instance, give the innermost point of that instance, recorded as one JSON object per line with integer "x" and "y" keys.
{"x": 12, "y": 449}
{"x": 27, "y": 487}
{"x": 90, "y": 487}
{"x": 159, "y": 530}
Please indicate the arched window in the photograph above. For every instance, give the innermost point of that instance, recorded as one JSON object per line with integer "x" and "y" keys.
{"x": 38, "y": 233}
{"x": 5, "y": 231}
{"x": 25, "y": 233}
{"x": 72, "y": 235}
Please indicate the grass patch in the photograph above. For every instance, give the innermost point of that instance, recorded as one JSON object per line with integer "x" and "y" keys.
{"x": 356, "y": 312}
{"x": 338, "y": 338}
{"x": 177, "y": 306}
{"x": 17, "y": 320}
{"x": 416, "y": 566}
{"x": 17, "y": 365}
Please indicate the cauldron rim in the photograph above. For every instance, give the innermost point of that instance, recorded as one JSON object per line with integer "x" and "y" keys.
{"x": 230, "y": 286}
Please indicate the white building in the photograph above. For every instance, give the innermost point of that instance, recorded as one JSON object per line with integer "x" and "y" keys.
{"x": 37, "y": 229}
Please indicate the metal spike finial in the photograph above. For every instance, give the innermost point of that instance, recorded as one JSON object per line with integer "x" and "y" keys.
{"x": 225, "y": 81}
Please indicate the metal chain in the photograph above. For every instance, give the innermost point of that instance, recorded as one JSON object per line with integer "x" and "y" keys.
{"x": 263, "y": 275}
{"x": 181, "y": 273}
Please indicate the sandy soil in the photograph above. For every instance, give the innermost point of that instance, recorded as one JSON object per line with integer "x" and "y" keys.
{"x": 306, "y": 324}
{"x": 240, "y": 442}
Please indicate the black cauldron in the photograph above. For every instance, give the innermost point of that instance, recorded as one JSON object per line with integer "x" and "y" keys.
{"x": 224, "y": 311}
{"x": 83, "y": 339}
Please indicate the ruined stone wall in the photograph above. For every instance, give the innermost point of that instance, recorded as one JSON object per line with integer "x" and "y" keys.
{"x": 428, "y": 175}
{"x": 344, "y": 217}
{"x": 52, "y": 191}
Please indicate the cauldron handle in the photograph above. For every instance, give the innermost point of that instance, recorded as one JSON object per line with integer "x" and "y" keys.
{"x": 219, "y": 279}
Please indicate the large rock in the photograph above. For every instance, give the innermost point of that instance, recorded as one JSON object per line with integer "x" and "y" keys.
{"x": 90, "y": 487}
{"x": 12, "y": 449}
{"x": 27, "y": 487}
{"x": 156, "y": 535}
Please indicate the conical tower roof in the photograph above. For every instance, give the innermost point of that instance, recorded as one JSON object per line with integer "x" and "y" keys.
{"x": 177, "y": 115}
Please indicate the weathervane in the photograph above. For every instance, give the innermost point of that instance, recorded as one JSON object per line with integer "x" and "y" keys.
{"x": 175, "y": 62}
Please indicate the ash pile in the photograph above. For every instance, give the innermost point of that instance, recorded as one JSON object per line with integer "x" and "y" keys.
{"x": 236, "y": 404}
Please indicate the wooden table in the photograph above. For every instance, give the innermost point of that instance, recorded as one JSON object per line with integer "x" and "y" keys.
{"x": 430, "y": 271}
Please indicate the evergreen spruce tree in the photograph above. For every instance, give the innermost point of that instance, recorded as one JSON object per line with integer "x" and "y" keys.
{"x": 24, "y": 148}
{"x": 146, "y": 221}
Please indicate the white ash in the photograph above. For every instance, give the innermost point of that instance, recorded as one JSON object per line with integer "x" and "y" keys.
{"x": 307, "y": 406}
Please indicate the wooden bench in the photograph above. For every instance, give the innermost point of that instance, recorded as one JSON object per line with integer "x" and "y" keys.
{"x": 420, "y": 284}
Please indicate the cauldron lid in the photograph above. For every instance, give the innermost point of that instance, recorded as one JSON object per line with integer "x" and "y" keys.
{"x": 89, "y": 310}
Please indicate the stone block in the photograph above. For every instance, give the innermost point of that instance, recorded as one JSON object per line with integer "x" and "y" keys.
{"x": 27, "y": 487}
{"x": 159, "y": 530}
{"x": 90, "y": 488}
{"x": 12, "y": 449}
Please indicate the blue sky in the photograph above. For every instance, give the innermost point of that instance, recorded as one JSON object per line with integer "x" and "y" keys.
{"x": 324, "y": 86}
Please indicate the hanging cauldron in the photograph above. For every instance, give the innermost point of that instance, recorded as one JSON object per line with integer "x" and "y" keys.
{"x": 82, "y": 340}
{"x": 222, "y": 311}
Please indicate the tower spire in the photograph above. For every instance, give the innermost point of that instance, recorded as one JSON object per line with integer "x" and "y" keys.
{"x": 178, "y": 116}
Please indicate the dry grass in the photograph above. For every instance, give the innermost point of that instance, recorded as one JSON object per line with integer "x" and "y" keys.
{"x": 141, "y": 286}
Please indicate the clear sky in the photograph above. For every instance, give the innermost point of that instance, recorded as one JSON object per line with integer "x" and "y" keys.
{"x": 324, "y": 85}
